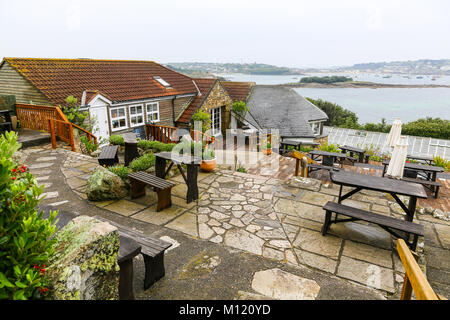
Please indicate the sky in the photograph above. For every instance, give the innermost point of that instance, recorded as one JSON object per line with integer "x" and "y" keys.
{"x": 298, "y": 33}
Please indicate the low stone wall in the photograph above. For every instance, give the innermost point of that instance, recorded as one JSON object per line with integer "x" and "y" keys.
{"x": 84, "y": 266}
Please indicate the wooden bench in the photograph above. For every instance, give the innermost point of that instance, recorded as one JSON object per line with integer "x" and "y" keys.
{"x": 152, "y": 250}
{"x": 414, "y": 279}
{"x": 163, "y": 188}
{"x": 435, "y": 185}
{"x": 109, "y": 156}
{"x": 387, "y": 223}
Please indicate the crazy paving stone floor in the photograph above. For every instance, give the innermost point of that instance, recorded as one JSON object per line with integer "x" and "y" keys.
{"x": 263, "y": 220}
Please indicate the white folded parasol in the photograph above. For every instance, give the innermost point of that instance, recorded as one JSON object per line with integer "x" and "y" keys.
{"x": 397, "y": 162}
{"x": 394, "y": 134}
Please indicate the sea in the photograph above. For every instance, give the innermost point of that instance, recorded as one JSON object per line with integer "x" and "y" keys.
{"x": 371, "y": 105}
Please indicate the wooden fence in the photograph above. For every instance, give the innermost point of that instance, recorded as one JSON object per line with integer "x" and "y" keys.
{"x": 52, "y": 120}
{"x": 168, "y": 134}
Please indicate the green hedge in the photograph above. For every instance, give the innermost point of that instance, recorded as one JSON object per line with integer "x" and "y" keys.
{"x": 116, "y": 139}
{"x": 155, "y": 145}
{"x": 142, "y": 163}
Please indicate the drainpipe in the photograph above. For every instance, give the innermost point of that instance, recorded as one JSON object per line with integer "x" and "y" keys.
{"x": 173, "y": 110}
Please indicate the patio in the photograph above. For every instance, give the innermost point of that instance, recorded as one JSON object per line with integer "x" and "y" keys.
{"x": 263, "y": 220}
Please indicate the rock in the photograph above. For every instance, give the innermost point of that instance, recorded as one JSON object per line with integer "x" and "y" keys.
{"x": 279, "y": 284}
{"x": 304, "y": 183}
{"x": 439, "y": 214}
{"x": 105, "y": 185}
{"x": 84, "y": 266}
{"x": 96, "y": 153}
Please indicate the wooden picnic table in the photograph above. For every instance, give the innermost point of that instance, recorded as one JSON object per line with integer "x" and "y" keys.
{"x": 427, "y": 160}
{"x": 289, "y": 143}
{"x": 192, "y": 163}
{"x": 328, "y": 158}
{"x": 386, "y": 185}
{"x": 426, "y": 171}
{"x": 361, "y": 153}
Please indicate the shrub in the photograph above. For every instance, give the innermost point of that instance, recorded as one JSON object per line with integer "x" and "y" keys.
{"x": 156, "y": 146}
{"x": 121, "y": 171}
{"x": 329, "y": 147}
{"x": 142, "y": 163}
{"x": 116, "y": 139}
{"x": 239, "y": 107}
{"x": 90, "y": 146}
{"x": 73, "y": 113}
{"x": 208, "y": 154}
{"x": 241, "y": 169}
{"x": 204, "y": 117}
{"x": 441, "y": 162}
{"x": 25, "y": 237}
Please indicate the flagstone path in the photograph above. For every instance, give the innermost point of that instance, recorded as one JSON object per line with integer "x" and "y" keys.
{"x": 261, "y": 217}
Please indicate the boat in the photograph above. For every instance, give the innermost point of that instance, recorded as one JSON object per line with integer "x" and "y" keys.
{"x": 433, "y": 79}
{"x": 387, "y": 76}
{"x": 419, "y": 77}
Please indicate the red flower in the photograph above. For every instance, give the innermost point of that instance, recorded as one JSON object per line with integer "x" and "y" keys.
{"x": 13, "y": 178}
{"x": 36, "y": 266}
{"x": 13, "y": 170}
{"x": 42, "y": 270}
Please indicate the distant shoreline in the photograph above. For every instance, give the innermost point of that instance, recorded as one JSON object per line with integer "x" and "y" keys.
{"x": 361, "y": 84}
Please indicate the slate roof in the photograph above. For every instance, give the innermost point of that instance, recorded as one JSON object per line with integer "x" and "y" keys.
{"x": 238, "y": 91}
{"x": 119, "y": 80}
{"x": 277, "y": 107}
{"x": 204, "y": 85}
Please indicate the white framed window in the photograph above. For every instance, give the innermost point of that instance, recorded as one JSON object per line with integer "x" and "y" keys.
{"x": 136, "y": 115}
{"x": 315, "y": 126}
{"x": 215, "y": 121}
{"x": 118, "y": 118}
{"x": 162, "y": 82}
{"x": 152, "y": 111}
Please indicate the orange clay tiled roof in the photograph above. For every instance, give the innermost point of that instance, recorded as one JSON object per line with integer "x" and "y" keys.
{"x": 118, "y": 80}
{"x": 204, "y": 85}
{"x": 238, "y": 91}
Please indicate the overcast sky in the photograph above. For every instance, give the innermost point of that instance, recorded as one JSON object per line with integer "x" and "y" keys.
{"x": 296, "y": 33}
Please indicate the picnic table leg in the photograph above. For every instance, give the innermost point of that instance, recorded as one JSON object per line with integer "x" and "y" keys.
{"x": 384, "y": 170}
{"x": 411, "y": 208}
{"x": 160, "y": 167}
{"x": 192, "y": 187}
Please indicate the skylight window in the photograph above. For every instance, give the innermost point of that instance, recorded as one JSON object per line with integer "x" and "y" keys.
{"x": 162, "y": 81}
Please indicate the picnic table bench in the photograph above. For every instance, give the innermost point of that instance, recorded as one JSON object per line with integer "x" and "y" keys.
{"x": 163, "y": 188}
{"x": 363, "y": 157}
{"x": 7, "y": 124}
{"x": 152, "y": 250}
{"x": 132, "y": 243}
{"x": 109, "y": 156}
{"x": 387, "y": 223}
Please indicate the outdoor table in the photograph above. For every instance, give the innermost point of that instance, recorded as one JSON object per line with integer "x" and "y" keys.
{"x": 131, "y": 149}
{"x": 192, "y": 163}
{"x": 386, "y": 185}
{"x": 286, "y": 143}
{"x": 6, "y": 114}
{"x": 328, "y": 158}
{"x": 353, "y": 150}
{"x": 425, "y": 171}
{"x": 427, "y": 160}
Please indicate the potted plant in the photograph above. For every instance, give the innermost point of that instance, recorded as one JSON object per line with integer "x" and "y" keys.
{"x": 208, "y": 160}
{"x": 267, "y": 148}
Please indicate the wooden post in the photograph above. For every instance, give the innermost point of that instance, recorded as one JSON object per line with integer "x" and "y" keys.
{"x": 71, "y": 140}
{"x": 52, "y": 132}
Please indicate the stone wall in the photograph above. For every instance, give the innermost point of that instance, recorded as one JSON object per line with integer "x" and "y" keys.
{"x": 84, "y": 266}
{"x": 217, "y": 98}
